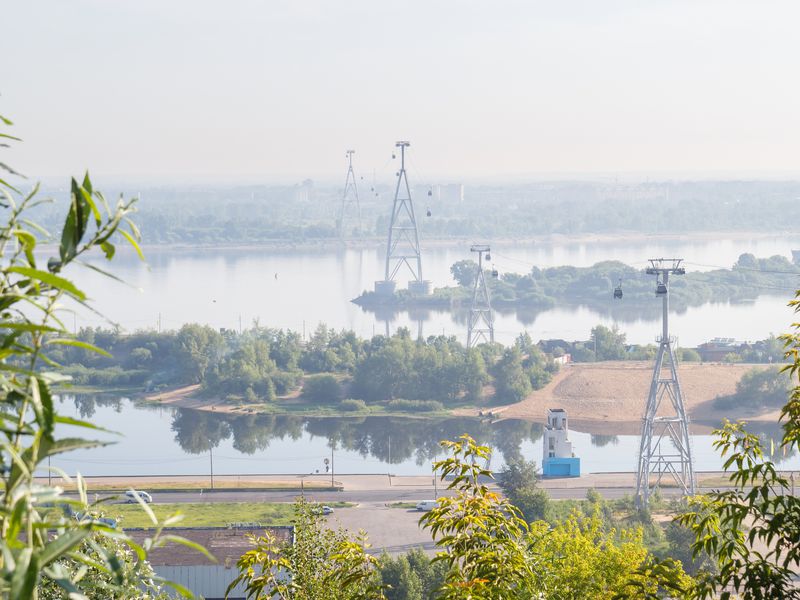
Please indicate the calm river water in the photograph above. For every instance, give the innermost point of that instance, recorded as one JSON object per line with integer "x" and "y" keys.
{"x": 167, "y": 441}
{"x": 298, "y": 289}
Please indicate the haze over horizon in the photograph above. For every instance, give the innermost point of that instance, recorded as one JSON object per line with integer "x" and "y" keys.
{"x": 187, "y": 91}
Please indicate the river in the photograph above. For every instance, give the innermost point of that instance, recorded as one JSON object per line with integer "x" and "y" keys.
{"x": 157, "y": 440}
{"x": 298, "y": 289}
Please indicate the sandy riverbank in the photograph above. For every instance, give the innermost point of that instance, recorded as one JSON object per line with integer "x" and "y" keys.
{"x": 615, "y": 392}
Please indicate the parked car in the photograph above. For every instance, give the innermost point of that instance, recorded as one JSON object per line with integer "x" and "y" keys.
{"x": 130, "y": 496}
{"x": 83, "y": 517}
{"x": 327, "y": 510}
{"x": 426, "y": 505}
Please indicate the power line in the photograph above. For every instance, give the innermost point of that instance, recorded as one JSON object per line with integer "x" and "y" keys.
{"x": 739, "y": 268}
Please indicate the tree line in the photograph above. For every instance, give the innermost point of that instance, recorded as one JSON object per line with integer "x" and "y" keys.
{"x": 261, "y": 364}
{"x": 543, "y": 288}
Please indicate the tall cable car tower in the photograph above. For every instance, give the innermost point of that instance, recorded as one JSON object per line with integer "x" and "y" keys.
{"x": 665, "y": 446}
{"x": 402, "y": 248}
{"x": 480, "y": 323}
{"x": 349, "y": 196}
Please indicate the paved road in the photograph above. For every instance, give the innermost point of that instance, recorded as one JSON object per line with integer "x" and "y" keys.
{"x": 364, "y": 496}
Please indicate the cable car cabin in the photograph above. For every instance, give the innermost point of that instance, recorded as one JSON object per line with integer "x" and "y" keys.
{"x": 488, "y": 256}
{"x": 495, "y": 274}
{"x": 618, "y": 293}
{"x": 661, "y": 289}
{"x": 429, "y": 212}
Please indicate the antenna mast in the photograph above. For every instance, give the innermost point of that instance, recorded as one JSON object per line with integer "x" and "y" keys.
{"x": 348, "y": 198}
{"x": 402, "y": 247}
{"x": 480, "y": 324}
{"x": 671, "y": 423}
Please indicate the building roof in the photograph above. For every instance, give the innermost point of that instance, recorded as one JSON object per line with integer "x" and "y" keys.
{"x": 225, "y": 544}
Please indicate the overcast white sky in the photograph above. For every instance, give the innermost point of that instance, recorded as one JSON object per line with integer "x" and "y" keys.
{"x": 278, "y": 89}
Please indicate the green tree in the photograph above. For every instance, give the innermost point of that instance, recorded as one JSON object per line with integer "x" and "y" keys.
{"x": 511, "y": 382}
{"x": 199, "y": 348}
{"x": 322, "y": 389}
{"x": 750, "y": 531}
{"x": 586, "y": 560}
{"x": 609, "y": 344}
{"x": 518, "y": 474}
{"x": 319, "y": 564}
{"x": 40, "y": 547}
{"x": 481, "y": 536}
{"x": 464, "y": 272}
{"x": 401, "y": 581}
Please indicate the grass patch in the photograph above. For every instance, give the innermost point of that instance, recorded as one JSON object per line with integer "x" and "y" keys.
{"x": 406, "y": 505}
{"x": 192, "y": 485}
{"x": 213, "y": 514}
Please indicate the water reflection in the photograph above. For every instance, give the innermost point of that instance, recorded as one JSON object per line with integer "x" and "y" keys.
{"x": 391, "y": 440}
{"x": 161, "y": 440}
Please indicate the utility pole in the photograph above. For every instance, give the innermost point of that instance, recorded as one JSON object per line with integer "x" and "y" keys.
{"x": 480, "y": 323}
{"x": 671, "y": 424}
{"x": 333, "y": 446}
{"x": 211, "y": 462}
{"x": 402, "y": 247}
{"x": 347, "y": 197}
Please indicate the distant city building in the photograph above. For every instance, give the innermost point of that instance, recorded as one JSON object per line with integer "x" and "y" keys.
{"x": 304, "y": 192}
{"x": 559, "y": 460}
{"x": 562, "y": 360}
{"x": 717, "y": 349}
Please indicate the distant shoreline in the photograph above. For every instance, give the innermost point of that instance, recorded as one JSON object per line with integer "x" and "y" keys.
{"x": 326, "y": 244}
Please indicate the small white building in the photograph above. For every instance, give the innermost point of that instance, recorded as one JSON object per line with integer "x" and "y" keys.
{"x": 558, "y": 459}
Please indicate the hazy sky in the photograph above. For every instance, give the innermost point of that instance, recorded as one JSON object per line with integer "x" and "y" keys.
{"x": 278, "y": 89}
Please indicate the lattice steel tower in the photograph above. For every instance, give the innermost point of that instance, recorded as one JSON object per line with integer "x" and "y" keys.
{"x": 402, "y": 248}
{"x": 480, "y": 324}
{"x": 664, "y": 422}
{"x": 349, "y": 196}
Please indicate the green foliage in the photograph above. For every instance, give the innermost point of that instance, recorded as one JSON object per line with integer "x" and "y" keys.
{"x": 199, "y": 346}
{"x": 322, "y": 389}
{"x": 609, "y": 343}
{"x": 45, "y": 552}
{"x": 320, "y": 564}
{"x": 750, "y": 531}
{"x": 353, "y": 405}
{"x": 412, "y": 576}
{"x": 518, "y": 475}
{"x": 464, "y": 272}
{"x": 480, "y": 536}
{"x": 511, "y": 382}
{"x": 113, "y": 570}
{"x": 688, "y": 355}
{"x": 587, "y": 560}
{"x": 757, "y": 388}
{"x": 401, "y": 404}
{"x": 399, "y": 367}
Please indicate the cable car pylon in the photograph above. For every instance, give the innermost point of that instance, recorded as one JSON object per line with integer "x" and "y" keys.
{"x": 349, "y": 196}
{"x": 665, "y": 446}
{"x": 402, "y": 248}
{"x": 480, "y": 323}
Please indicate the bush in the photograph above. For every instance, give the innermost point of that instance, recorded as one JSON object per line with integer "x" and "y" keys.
{"x": 689, "y": 355}
{"x": 352, "y": 405}
{"x": 322, "y": 388}
{"x": 415, "y": 405}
